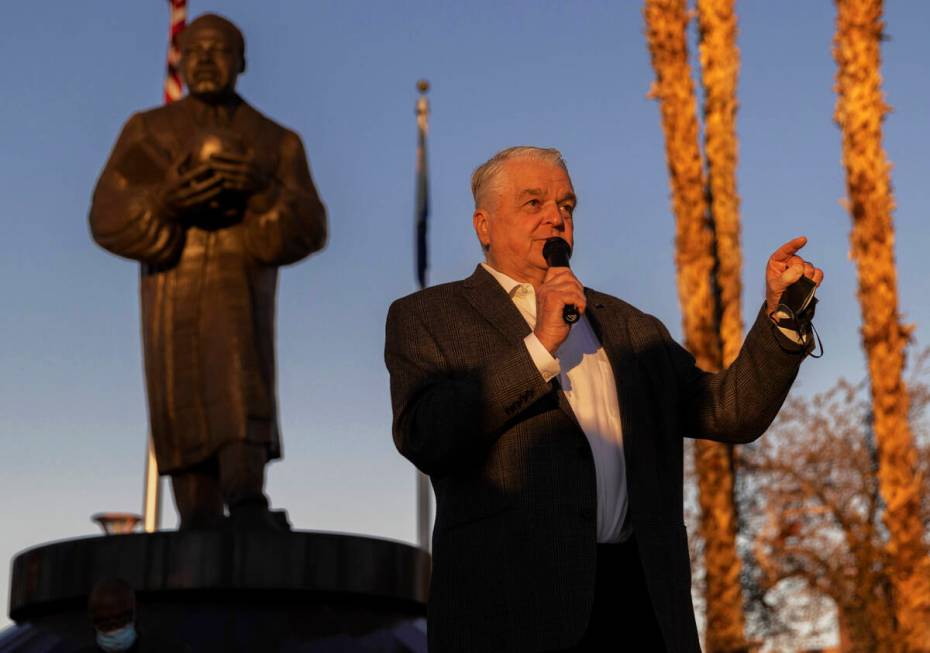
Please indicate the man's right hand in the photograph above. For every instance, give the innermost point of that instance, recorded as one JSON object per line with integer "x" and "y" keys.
{"x": 559, "y": 288}
{"x": 194, "y": 188}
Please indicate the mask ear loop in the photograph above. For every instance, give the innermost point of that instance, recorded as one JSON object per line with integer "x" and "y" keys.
{"x": 819, "y": 343}
{"x": 806, "y": 328}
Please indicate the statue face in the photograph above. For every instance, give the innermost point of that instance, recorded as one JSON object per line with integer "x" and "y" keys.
{"x": 210, "y": 64}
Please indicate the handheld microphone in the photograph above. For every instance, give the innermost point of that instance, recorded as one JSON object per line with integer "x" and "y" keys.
{"x": 557, "y": 251}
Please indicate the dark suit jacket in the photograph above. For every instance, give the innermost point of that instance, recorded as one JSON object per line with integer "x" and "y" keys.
{"x": 514, "y": 540}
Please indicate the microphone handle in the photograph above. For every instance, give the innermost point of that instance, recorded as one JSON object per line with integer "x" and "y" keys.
{"x": 570, "y": 313}
{"x": 558, "y": 258}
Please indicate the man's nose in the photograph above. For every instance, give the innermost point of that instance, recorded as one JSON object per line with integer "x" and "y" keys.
{"x": 554, "y": 215}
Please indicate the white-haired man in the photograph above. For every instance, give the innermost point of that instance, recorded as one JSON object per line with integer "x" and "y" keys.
{"x": 555, "y": 451}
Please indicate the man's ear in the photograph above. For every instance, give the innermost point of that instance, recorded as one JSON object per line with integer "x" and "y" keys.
{"x": 480, "y": 220}
{"x": 241, "y": 65}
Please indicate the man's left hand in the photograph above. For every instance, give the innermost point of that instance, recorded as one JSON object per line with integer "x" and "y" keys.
{"x": 239, "y": 172}
{"x": 784, "y": 268}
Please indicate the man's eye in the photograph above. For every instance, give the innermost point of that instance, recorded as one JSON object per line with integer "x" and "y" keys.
{"x": 568, "y": 208}
{"x": 533, "y": 203}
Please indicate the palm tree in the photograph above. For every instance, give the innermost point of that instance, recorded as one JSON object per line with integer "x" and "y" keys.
{"x": 696, "y": 264}
{"x": 860, "y": 110}
{"x": 719, "y": 72}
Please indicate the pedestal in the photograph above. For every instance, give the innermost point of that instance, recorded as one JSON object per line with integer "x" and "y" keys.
{"x": 228, "y": 591}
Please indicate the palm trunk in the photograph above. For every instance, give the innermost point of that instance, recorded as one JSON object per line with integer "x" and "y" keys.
{"x": 666, "y": 26}
{"x": 860, "y": 111}
{"x": 719, "y": 72}
{"x": 666, "y": 23}
{"x": 723, "y": 594}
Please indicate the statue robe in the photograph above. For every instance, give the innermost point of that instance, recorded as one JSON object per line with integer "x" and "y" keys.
{"x": 207, "y": 293}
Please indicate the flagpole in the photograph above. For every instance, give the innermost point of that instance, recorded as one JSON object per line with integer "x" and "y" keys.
{"x": 151, "y": 504}
{"x": 424, "y": 491}
{"x": 173, "y": 90}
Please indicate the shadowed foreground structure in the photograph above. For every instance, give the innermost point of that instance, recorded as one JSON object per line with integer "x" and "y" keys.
{"x": 226, "y": 591}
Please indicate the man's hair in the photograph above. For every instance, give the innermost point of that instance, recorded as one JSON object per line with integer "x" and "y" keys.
{"x": 218, "y": 23}
{"x": 485, "y": 175}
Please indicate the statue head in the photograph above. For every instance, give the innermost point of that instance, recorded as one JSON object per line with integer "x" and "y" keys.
{"x": 212, "y": 56}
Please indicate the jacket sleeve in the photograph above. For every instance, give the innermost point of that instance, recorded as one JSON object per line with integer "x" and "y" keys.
{"x": 446, "y": 418}
{"x": 737, "y": 404}
{"x": 125, "y": 215}
{"x": 288, "y": 221}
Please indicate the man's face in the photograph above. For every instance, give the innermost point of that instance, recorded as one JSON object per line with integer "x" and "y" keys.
{"x": 532, "y": 202}
{"x": 210, "y": 63}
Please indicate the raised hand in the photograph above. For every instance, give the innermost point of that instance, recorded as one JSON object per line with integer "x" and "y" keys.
{"x": 784, "y": 268}
{"x": 559, "y": 288}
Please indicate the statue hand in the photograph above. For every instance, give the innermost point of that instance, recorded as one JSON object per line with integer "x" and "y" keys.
{"x": 240, "y": 172}
{"x": 192, "y": 189}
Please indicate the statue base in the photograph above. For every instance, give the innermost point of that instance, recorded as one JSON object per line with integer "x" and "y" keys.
{"x": 228, "y": 591}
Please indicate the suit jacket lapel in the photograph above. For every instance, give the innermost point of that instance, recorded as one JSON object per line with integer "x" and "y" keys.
{"x": 491, "y": 301}
{"x": 487, "y": 297}
{"x": 613, "y": 330}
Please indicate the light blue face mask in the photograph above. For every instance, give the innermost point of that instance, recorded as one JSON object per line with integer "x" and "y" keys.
{"x": 120, "y": 639}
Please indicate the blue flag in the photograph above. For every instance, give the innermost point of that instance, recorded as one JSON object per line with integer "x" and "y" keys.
{"x": 422, "y": 197}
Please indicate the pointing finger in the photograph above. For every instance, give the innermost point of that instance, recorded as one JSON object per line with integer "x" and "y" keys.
{"x": 787, "y": 250}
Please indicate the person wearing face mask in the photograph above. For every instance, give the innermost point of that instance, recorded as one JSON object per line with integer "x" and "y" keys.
{"x": 112, "y": 610}
{"x": 112, "y": 607}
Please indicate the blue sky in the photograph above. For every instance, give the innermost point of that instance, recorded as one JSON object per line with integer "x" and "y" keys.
{"x": 342, "y": 74}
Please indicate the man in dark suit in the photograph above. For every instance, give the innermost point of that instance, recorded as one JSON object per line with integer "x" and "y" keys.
{"x": 556, "y": 452}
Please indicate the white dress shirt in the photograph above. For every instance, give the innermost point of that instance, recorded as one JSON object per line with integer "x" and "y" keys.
{"x": 587, "y": 380}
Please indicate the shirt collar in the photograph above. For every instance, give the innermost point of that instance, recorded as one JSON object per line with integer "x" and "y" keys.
{"x": 509, "y": 284}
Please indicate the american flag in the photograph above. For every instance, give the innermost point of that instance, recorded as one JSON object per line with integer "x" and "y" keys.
{"x": 173, "y": 85}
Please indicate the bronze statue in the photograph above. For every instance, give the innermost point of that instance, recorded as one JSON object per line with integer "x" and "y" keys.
{"x": 210, "y": 197}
